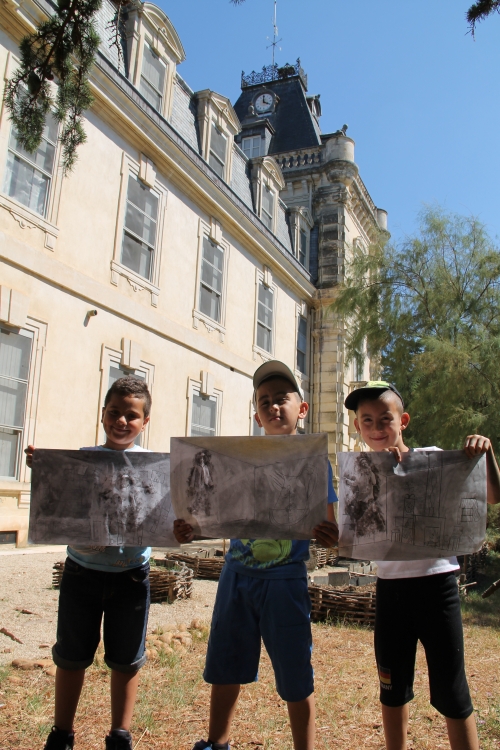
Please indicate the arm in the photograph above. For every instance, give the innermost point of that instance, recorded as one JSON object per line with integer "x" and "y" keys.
{"x": 475, "y": 445}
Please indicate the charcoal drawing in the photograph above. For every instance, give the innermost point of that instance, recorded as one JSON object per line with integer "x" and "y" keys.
{"x": 432, "y": 504}
{"x": 251, "y": 487}
{"x": 106, "y": 498}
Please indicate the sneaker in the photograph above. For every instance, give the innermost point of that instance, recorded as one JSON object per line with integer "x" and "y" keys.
{"x": 119, "y": 739}
{"x": 203, "y": 745}
{"x": 58, "y": 739}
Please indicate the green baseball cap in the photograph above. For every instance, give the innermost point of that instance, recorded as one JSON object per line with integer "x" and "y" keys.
{"x": 371, "y": 388}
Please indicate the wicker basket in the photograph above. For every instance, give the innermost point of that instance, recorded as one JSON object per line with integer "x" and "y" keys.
{"x": 168, "y": 580}
{"x": 202, "y": 565}
{"x": 335, "y": 604}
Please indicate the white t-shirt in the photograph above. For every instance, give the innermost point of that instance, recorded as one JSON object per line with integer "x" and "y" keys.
{"x": 416, "y": 568}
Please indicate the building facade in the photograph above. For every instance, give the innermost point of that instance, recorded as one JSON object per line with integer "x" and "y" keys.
{"x": 193, "y": 241}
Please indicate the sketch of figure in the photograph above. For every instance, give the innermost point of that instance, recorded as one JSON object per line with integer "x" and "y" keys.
{"x": 362, "y": 497}
{"x": 201, "y": 483}
{"x": 296, "y": 487}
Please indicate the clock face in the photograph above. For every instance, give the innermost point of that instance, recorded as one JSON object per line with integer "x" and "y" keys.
{"x": 264, "y": 103}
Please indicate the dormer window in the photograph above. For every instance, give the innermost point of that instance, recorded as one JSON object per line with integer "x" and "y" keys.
{"x": 267, "y": 207}
{"x": 251, "y": 146}
{"x": 153, "y": 76}
{"x": 218, "y": 150}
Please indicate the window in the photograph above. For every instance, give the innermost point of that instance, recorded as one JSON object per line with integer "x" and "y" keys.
{"x": 217, "y": 158}
{"x": 28, "y": 176}
{"x": 117, "y": 371}
{"x": 15, "y": 355}
{"x": 139, "y": 236}
{"x": 302, "y": 345}
{"x": 303, "y": 247}
{"x": 265, "y": 318}
{"x": 153, "y": 73}
{"x": 203, "y": 415}
{"x": 212, "y": 266}
{"x": 267, "y": 208}
{"x": 251, "y": 146}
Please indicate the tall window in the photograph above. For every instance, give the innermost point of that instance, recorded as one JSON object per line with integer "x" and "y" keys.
{"x": 204, "y": 415}
{"x": 251, "y": 146}
{"x": 28, "y": 176}
{"x": 15, "y": 354}
{"x": 303, "y": 247}
{"x": 302, "y": 344}
{"x": 217, "y": 158}
{"x": 265, "y": 318}
{"x": 211, "y": 279}
{"x": 116, "y": 371}
{"x": 139, "y": 235}
{"x": 267, "y": 211}
{"x": 152, "y": 77}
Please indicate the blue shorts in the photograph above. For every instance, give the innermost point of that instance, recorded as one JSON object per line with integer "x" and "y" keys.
{"x": 276, "y": 610}
{"x": 86, "y": 597}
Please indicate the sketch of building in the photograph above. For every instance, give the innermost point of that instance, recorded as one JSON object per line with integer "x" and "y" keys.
{"x": 432, "y": 504}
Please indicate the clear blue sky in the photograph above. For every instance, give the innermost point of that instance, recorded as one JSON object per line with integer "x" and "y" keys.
{"x": 421, "y": 97}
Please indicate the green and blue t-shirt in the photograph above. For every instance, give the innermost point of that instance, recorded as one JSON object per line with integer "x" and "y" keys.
{"x": 273, "y": 558}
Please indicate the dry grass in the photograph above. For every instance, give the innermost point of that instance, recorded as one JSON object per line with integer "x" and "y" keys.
{"x": 172, "y": 709}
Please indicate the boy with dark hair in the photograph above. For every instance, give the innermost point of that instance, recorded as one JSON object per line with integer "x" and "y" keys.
{"x": 104, "y": 582}
{"x": 263, "y": 593}
{"x": 417, "y": 600}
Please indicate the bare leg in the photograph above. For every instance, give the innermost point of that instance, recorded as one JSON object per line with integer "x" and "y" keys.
{"x": 462, "y": 733}
{"x": 223, "y": 700}
{"x": 395, "y": 722}
{"x": 302, "y": 722}
{"x": 123, "y": 693}
{"x": 69, "y": 683}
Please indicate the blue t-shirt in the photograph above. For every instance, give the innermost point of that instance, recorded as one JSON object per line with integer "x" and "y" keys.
{"x": 110, "y": 559}
{"x": 273, "y": 558}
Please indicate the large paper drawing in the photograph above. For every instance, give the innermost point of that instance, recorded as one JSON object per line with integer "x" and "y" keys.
{"x": 106, "y": 498}
{"x": 251, "y": 487}
{"x": 432, "y": 504}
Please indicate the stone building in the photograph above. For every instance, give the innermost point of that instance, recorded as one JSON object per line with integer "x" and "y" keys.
{"x": 193, "y": 241}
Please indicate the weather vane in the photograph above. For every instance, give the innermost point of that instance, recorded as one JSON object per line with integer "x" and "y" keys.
{"x": 275, "y": 41}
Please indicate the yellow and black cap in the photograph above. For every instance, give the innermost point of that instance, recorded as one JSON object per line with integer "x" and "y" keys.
{"x": 371, "y": 390}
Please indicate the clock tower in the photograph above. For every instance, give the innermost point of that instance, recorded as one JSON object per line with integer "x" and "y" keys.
{"x": 330, "y": 212}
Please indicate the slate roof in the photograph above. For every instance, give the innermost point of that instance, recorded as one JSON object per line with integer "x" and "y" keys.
{"x": 294, "y": 124}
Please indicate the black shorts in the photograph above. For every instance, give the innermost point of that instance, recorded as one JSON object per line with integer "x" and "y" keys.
{"x": 425, "y": 609}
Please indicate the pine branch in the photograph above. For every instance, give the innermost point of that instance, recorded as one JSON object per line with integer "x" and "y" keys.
{"x": 480, "y": 11}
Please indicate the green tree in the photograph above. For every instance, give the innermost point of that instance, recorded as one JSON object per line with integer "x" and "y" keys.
{"x": 429, "y": 310}
{"x": 480, "y": 11}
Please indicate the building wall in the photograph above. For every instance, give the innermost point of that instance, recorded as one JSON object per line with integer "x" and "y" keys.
{"x": 61, "y": 266}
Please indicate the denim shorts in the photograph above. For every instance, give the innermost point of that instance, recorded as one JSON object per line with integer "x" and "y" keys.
{"x": 276, "y": 610}
{"x": 425, "y": 609}
{"x": 120, "y": 600}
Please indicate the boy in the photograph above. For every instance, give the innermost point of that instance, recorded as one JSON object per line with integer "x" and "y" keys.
{"x": 263, "y": 593}
{"x": 416, "y": 599}
{"x": 109, "y": 581}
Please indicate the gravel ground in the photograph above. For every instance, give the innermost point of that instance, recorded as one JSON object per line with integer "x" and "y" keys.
{"x": 27, "y": 585}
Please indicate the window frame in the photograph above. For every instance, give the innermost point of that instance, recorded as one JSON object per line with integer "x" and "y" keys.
{"x": 263, "y": 353}
{"x": 110, "y": 356}
{"x": 194, "y": 387}
{"x": 268, "y": 187}
{"x": 213, "y": 233}
{"x": 252, "y": 138}
{"x": 38, "y": 331}
{"x": 138, "y": 283}
{"x": 161, "y": 94}
{"x": 215, "y": 126}
{"x": 301, "y": 317}
{"x": 25, "y": 217}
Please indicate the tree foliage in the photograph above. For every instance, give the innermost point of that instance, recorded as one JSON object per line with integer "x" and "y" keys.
{"x": 479, "y": 11}
{"x": 430, "y": 310}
